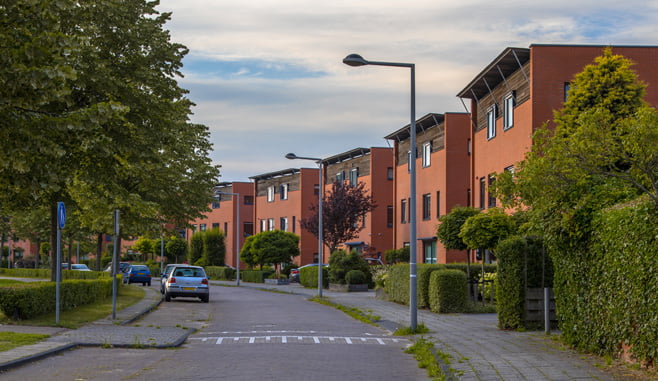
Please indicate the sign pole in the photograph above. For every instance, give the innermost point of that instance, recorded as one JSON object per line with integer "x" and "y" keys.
{"x": 61, "y": 221}
{"x": 115, "y": 264}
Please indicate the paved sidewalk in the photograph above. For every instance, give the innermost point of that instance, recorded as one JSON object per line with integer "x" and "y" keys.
{"x": 478, "y": 350}
{"x": 104, "y": 332}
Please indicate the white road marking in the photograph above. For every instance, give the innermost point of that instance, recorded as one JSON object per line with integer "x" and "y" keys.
{"x": 285, "y": 339}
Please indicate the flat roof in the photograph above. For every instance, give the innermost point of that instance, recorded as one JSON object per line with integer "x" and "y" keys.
{"x": 425, "y": 122}
{"x": 351, "y": 154}
{"x": 270, "y": 175}
{"x": 507, "y": 62}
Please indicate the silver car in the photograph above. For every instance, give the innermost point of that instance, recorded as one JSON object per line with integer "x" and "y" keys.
{"x": 187, "y": 281}
{"x": 165, "y": 274}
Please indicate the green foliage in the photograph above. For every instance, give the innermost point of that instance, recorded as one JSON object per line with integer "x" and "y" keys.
{"x": 145, "y": 246}
{"x": 270, "y": 247}
{"x": 355, "y": 277}
{"x": 37, "y": 298}
{"x": 423, "y": 351}
{"x": 394, "y": 256}
{"x": 287, "y": 268}
{"x": 308, "y": 277}
{"x": 176, "y": 249}
{"x": 594, "y": 314}
{"x": 423, "y": 273}
{"x": 485, "y": 230}
{"x": 510, "y": 285}
{"x": 195, "y": 252}
{"x": 340, "y": 263}
{"x": 221, "y": 273}
{"x": 255, "y": 276}
{"x": 214, "y": 248}
{"x": 397, "y": 283}
{"x": 448, "y": 291}
{"x": 450, "y": 226}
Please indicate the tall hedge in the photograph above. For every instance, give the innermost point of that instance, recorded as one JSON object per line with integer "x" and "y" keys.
{"x": 448, "y": 291}
{"x": 195, "y": 253}
{"x": 308, "y": 276}
{"x": 510, "y": 283}
{"x": 214, "y": 248}
{"x": 609, "y": 296}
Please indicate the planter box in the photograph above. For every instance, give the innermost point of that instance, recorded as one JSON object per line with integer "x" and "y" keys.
{"x": 348, "y": 287}
{"x": 277, "y": 281}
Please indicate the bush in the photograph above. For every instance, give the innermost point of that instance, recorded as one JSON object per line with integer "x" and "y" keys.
{"x": 423, "y": 272}
{"x": 355, "y": 277}
{"x": 448, "y": 291}
{"x": 510, "y": 288}
{"x": 308, "y": 276}
{"x": 254, "y": 276}
{"x": 34, "y": 299}
{"x": 287, "y": 267}
{"x": 221, "y": 273}
{"x": 394, "y": 256}
{"x": 397, "y": 283}
{"x": 340, "y": 263}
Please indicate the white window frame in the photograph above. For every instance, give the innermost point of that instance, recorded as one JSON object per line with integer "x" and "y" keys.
{"x": 284, "y": 191}
{"x": 263, "y": 225}
{"x": 508, "y": 111}
{"x": 270, "y": 193}
{"x": 354, "y": 176}
{"x": 491, "y": 122}
{"x": 270, "y": 224}
{"x": 427, "y": 154}
{"x": 284, "y": 223}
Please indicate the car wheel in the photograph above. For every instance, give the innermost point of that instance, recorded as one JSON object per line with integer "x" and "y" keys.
{"x": 205, "y": 298}
{"x": 149, "y": 283}
{"x": 167, "y": 297}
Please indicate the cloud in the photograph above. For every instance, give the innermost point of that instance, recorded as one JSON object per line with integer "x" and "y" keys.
{"x": 267, "y": 75}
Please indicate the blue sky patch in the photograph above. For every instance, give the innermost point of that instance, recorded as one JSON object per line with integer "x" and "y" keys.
{"x": 248, "y": 68}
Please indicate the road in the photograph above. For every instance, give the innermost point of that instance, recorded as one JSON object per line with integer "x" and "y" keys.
{"x": 243, "y": 334}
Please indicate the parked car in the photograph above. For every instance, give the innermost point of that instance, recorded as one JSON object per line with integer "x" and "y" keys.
{"x": 187, "y": 281}
{"x": 165, "y": 274}
{"x": 294, "y": 273}
{"x": 374, "y": 261}
{"x": 80, "y": 267}
{"x": 123, "y": 267}
{"x": 138, "y": 274}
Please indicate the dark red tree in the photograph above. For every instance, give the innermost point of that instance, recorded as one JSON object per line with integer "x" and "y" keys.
{"x": 343, "y": 210}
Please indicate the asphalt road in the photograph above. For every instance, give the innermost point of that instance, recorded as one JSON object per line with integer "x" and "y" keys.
{"x": 244, "y": 334}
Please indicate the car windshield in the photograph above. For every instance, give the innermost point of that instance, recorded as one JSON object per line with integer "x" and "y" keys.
{"x": 189, "y": 272}
{"x": 139, "y": 268}
{"x": 78, "y": 266}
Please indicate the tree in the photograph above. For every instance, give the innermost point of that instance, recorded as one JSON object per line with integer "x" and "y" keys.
{"x": 145, "y": 247}
{"x": 450, "y": 225}
{"x": 214, "y": 249}
{"x": 484, "y": 230}
{"x": 196, "y": 248}
{"x": 176, "y": 249}
{"x": 270, "y": 247}
{"x": 343, "y": 210}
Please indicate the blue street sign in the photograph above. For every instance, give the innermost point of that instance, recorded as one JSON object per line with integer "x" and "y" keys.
{"x": 61, "y": 214}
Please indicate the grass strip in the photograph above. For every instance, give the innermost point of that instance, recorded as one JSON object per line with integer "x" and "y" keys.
{"x": 11, "y": 340}
{"x": 355, "y": 313}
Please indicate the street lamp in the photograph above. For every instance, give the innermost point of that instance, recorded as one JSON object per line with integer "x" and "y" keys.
{"x": 237, "y": 236}
{"x": 357, "y": 60}
{"x": 292, "y": 156}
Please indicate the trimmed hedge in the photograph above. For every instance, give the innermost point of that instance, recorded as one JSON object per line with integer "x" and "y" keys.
{"x": 34, "y": 299}
{"x": 308, "y": 277}
{"x": 423, "y": 273}
{"x": 510, "y": 288}
{"x": 355, "y": 277}
{"x": 222, "y": 273}
{"x": 45, "y": 274}
{"x": 255, "y": 276}
{"x": 448, "y": 292}
{"x": 609, "y": 295}
{"x": 397, "y": 283}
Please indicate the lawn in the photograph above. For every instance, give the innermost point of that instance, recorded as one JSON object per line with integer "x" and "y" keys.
{"x": 10, "y": 340}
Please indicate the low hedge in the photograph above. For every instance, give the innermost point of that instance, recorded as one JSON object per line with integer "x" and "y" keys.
{"x": 448, "y": 291}
{"x": 423, "y": 273}
{"x": 221, "y": 273}
{"x": 255, "y": 276}
{"x": 26, "y": 273}
{"x": 34, "y": 299}
{"x": 308, "y": 277}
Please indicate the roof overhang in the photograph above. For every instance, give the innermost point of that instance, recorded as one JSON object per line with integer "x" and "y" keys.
{"x": 507, "y": 62}
{"x": 270, "y": 175}
{"x": 422, "y": 124}
{"x": 351, "y": 154}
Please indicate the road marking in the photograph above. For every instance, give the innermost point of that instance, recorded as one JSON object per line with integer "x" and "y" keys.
{"x": 286, "y": 339}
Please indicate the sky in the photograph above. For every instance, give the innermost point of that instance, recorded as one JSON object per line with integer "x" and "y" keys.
{"x": 267, "y": 76}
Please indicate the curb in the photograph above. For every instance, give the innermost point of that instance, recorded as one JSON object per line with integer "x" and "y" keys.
{"x": 37, "y": 356}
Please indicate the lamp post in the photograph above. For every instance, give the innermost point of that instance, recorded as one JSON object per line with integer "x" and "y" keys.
{"x": 237, "y": 236}
{"x": 357, "y": 60}
{"x": 292, "y": 156}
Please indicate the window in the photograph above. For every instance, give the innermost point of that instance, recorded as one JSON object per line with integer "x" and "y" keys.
{"x": 270, "y": 224}
{"x": 482, "y": 191}
{"x": 215, "y": 204}
{"x": 567, "y": 87}
{"x": 508, "y": 111}
{"x": 284, "y": 223}
{"x": 427, "y": 151}
{"x": 468, "y": 197}
{"x": 427, "y": 204}
{"x": 248, "y": 228}
{"x": 215, "y": 225}
{"x": 270, "y": 193}
{"x": 294, "y": 226}
{"x": 194, "y": 227}
{"x": 389, "y": 216}
{"x": 468, "y": 147}
{"x": 248, "y": 200}
{"x": 354, "y": 176}
{"x": 263, "y": 225}
{"x": 492, "y": 198}
{"x": 389, "y": 173}
{"x": 438, "y": 204}
{"x": 429, "y": 249}
{"x": 202, "y": 227}
{"x": 403, "y": 211}
{"x": 491, "y": 122}
{"x": 340, "y": 176}
{"x": 225, "y": 228}
{"x": 409, "y": 161}
{"x": 283, "y": 190}
{"x": 316, "y": 189}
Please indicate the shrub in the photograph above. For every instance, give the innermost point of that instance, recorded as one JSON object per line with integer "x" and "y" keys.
{"x": 448, "y": 291}
{"x": 340, "y": 263}
{"x": 355, "y": 277}
{"x": 254, "y": 276}
{"x": 510, "y": 288}
{"x": 287, "y": 267}
{"x": 221, "y": 273}
{"x": 394, "y": 256}
{"x": 397, "y": 283}
{"x": 277, "y": 276}
{"x": 423, "y": 272}
{"x": 308, "y": 276}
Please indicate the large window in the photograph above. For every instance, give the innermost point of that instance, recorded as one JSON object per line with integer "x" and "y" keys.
{"x": 283, "y": 190}
{"x": 492, "y": 198}
{"x": 202, "y": 227}
{"x": 248, "y": 200}
{"x": 340, "y": 176}
{"x": 508, "y": 113}
{"x": 483, "y": 189}
{"x": 429, "y": 249}
{"x": 427, "y": 205}
{"x": 354, "y": 176}
{"x": 427, "y": 152}
{"x": 491, "y": 122}
{"x": 270, "y": 193}
{"x": 270, "y": 224}
{"x": 263, "y": 225}
{"x": 403, "y": 211}
{"x": 284, "y": 224}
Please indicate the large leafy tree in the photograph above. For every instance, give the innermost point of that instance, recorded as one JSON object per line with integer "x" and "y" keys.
{"x": 450, "y": 225}
{"x": 343, "y": 210}
{"x": 270, "y": 247}
{"x": 176, "y": 249}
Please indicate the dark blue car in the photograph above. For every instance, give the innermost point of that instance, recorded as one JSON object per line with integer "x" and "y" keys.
{"x": 138, "y": 274}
